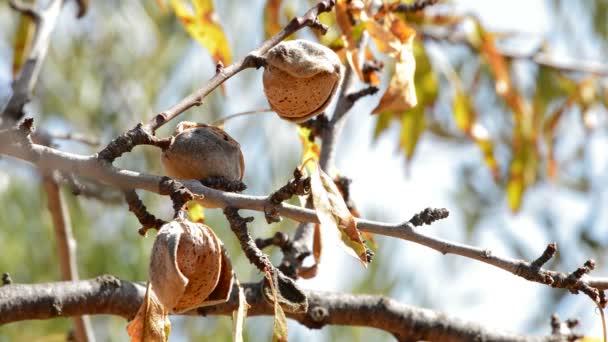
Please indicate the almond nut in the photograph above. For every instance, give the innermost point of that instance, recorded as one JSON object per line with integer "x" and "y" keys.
{"x": 300, "y": 79}
{"x": 199, "y": 151}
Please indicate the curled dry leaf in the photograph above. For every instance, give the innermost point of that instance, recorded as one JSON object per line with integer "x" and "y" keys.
{"x": 346, "y": 28}
{"x": 238, "y": 316}
{"x": 189, "y": 267}
{"x": 335, "y": 216}
{"x": 300, "y": 79}
{"x": 279, "y": 331}
{"x": 396, "y": 38}
{"x": 151, "y": 323}
{"x": 199, "y": 151}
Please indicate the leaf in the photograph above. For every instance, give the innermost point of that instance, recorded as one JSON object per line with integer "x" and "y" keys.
{"x": 23, "y": 39}
{"x": 346, "y": 28}
{"x": 413, "y": 124}
{"x": 401, "y": 93}
{"x": 397, "y": 40}
{"x": 522, "y": 171}
{"x": 466, "y": 120}
{"x": 308, "y": 272}
{"x": 550, "y": 136}
{"x": 203, "y": 26}
{"x": 427, "y": 87}
{"x": 335, "y": 216}
{"x": 486, "y": 43}
{"x": 279, "y": 331}
{"x": 196, "y": 211}
{"x": 161, "y": 4}
{"x": 238, "y": 317}
{"x": 151, "y": 323}
{"x": 311, "y": 150}
{"x": 272, "y": 25}
{"x": 370, "y": 75}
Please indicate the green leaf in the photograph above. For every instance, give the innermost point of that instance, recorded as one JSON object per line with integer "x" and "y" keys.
{"x": 413, "y": 124}
{"x": 523, "y": 169}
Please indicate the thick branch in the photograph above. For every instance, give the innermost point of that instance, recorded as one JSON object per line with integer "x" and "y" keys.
{"x": 91, "y": 167}
{"x": 109, "y": 295}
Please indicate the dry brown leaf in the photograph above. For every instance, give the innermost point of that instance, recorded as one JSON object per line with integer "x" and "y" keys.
{"x": 396, "y": 38}
{"x": 279, "y": 331}
{"x": 335, "y": 216}
{"x": 151, "y": 323}
{"x": 401, "y": 93}
{"x": 238, "y": 317}
{"x": 344, "y": 23}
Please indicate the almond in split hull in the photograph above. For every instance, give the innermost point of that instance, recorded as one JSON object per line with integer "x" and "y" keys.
{"x": 300, "y": 79}
{"x": 199, "y": 151}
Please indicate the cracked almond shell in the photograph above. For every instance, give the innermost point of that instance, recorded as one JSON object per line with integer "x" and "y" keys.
{"x": 199, "y": 151}
{"x": 300, "y": 79}
{"x": 189, "y": 267}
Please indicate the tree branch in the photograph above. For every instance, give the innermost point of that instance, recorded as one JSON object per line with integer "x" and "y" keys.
{"x": 540, "y": 58}
{"x": 109, "y": 295}
{"x": 66, "y": 249}
{"x": 23, "y": 85}
{"x": 101, "y": 171}
{"x": 253, "y": 59}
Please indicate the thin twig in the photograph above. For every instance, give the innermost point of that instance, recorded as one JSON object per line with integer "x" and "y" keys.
{"x": 297, "y": 186}
{"x": 417, "y": 5}
{"x": 537, "y": 57}
{"x": 137, "y": 207}
{"x": 125, "y": 142}
{"x": 223, "y": 120}
{"x": 253, "y": 59}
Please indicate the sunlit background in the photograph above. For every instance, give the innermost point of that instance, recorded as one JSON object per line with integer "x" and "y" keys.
{"x": 127, "y": 60}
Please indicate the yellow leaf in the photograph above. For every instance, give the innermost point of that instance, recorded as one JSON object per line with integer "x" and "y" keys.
{"x": 238, "y": 317}
{"x": 466, "y": 120}
{"x": 23, "y": 39}
{"x": 196, "y": 211}
{"x": 279, "y": 331}
{"x": 151, "y": 323}
{"x": 335, "y": 216}
{"x": 272, "y": 25}
{"x": 203, "y": 26}
{"x": 463, "y": 111}
{"x": 591, "y": 339}
{"x": 310, "y": 149}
